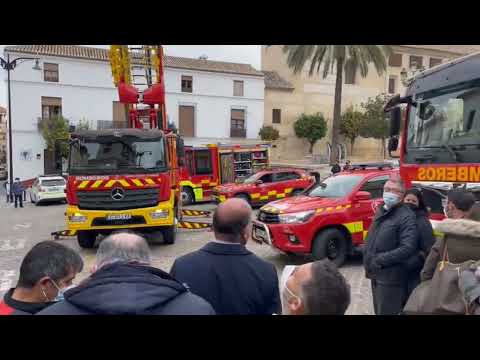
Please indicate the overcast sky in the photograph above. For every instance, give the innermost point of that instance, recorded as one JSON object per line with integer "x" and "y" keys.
{"x": 249, "y": 54}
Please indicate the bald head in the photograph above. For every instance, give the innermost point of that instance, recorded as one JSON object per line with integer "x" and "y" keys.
{"x": 232, "y": 221}
{"x": 123, "y": 247}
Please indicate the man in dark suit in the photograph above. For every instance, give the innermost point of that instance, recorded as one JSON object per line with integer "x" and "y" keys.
{"x": 223, "y": 272}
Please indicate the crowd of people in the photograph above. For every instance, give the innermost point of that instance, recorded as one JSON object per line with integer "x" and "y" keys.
{"x": 225, "y": 278}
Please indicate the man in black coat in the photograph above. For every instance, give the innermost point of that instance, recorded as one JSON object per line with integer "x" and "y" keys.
{"x": 391, "y": 241}
{"x": 123, "y": 283}
{"x": 225, "y": 273}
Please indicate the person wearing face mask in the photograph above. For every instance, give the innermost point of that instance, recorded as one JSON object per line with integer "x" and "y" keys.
{"x": 46, "y": 272}
{"x": 425, "y": 238}
{"x": 461, "y": 233}
{"x": 390, "y": 242}
{"x": 225, "y": 273}
{"x": 315, "y": 288}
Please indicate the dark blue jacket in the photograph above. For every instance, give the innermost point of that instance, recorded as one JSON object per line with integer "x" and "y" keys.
{"x": 17, "y": 188}
{"x": 231, "y": 278}
{"x": 128, "y": 289}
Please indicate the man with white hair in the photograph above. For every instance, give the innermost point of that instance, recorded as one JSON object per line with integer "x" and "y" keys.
{"x": 391, "y": 241}
{"x": 124, "y": 283}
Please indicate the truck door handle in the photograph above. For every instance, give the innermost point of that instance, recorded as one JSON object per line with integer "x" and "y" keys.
{"x": 424, "y": 157}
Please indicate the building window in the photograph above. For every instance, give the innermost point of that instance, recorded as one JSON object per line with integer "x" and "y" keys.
{"x": 187, "y": 83}
{"x": 237, "y": 88}
{"x": 395, "y": 60}
{"x": 237, "y": 123}
{"x": 51, "y": 107}
{"x": 416, "y": 62}
{"x": 276, "y": 116}
{"x": 50, "y": 72}
{"x": 392, "y": 85}
{"x": 350, "y": 72}
{"x": 435, "y": 62}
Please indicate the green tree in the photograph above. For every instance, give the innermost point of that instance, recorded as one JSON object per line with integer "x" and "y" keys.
{"x": 338, "y": 56}
{"x": 268, "y": 133}
{"x": 351, "y": 125}
{"x": 377, "y": 123}
{"x": 55, "y": 129}
{"x": 83, "y": 124}
{"x": 310, "y": 127}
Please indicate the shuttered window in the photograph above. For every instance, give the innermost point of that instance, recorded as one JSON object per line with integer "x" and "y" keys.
{"x": 50, "y": 72}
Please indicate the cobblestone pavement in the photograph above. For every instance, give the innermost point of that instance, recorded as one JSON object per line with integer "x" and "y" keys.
{"x": 23, "y": 228}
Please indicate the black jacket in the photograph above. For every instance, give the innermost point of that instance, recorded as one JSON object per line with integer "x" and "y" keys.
{"x": 10, "y": 306}
{"x": 336, "y": 169}
{"x": 231, "y": 278}
{"x": 129, "y": 289}
{"x": 391, "y": 240}
{"x": 425, "y": 241}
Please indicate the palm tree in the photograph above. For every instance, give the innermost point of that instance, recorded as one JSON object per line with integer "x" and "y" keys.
{"x": 359, "y": 56}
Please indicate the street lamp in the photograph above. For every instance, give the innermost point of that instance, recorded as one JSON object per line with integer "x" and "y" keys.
{"x": 9, "y": 65}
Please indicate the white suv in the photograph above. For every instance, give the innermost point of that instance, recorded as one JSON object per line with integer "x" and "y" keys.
{"x": 48, "y": 188}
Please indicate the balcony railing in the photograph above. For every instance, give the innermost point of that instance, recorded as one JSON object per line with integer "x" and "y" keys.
{"x": 238, "y": 133}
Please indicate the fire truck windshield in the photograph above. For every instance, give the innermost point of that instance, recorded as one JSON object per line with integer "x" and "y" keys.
{"x": 336, "y": 186}
{"x": 448, "y": 120}
{"x": 117, "y": 155}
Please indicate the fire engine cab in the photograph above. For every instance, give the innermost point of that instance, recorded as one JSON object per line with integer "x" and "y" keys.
{"x": 208, "y": 166}
{"x": 330, "y": 219}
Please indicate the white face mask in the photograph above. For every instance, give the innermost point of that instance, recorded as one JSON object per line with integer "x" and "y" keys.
{"x": 287, "y": 272}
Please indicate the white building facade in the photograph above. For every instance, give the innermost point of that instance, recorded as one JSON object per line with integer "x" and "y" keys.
{"x": 208, "y": 101}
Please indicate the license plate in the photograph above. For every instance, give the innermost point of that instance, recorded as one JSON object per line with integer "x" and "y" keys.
{"x": 119, "y": 217}
{"x": 53, "y": 189}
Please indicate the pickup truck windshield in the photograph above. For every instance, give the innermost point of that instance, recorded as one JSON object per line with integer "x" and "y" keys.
{"x": 111, "y": 155}
{"x": 337, "y": 186}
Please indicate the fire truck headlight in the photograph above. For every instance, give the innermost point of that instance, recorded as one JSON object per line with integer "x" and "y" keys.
{"x": 160, "y": 214}
{"x": 77, "y": 217}
{"x": 298, "y": 217}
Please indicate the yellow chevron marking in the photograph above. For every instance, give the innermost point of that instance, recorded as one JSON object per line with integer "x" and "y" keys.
{"x": 137, "y": 182}
{"x": 149, "y": 181}
{"x": 273, "y": 192}
{"x": 264, "y": 197}
{"x": 350, "y": 227}
{"x": 96, "y": 184}
{"x": 83, "y": 184}
{"x": 124, "y": 183}
{"x": 255, "y": 196}
{"x": 289, "y": 190}
{"x": 280, "y": 196}
{"x": 320, "y": 210}
{"x": 339, "y": 207}
{"x": 348, "y": 206}
{"x": 205, "y": 181}
{"x": 365, "y": 233}
{"x": 188, "y": 225}
{"x": 329, "y": 209}
{"x": 110, "y": 183}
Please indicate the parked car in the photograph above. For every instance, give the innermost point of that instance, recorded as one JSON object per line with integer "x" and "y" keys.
{"x": 329, "y": 220}
{"x": 266, "y": 185}
{"x": 48, "y": 189}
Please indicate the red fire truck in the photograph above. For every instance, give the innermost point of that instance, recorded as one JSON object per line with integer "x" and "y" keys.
{"x": 440, "y": 133}
{"x": 127, "y": 178}
{"x": 215, "y": 164}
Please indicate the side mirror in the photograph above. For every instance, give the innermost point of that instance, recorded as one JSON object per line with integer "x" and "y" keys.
{"x": 395, "y": 121}
{"x": 258, "y": 182}
{"x": 180, "y": 151}
{"x": 362, "y": 196}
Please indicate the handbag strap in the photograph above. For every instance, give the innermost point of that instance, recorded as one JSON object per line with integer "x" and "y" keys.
{"x": 444, "y": 257}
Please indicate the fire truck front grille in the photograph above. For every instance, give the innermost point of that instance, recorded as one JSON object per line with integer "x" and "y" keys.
{"x": 103, "y": 200}
{"x": 268, "y": 218}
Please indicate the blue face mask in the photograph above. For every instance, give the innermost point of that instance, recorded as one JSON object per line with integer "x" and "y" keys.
{"x": 61, "y": 292}
{"x": 390, "y": 199}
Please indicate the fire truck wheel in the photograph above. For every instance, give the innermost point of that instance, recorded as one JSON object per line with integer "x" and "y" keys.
{"x": 169, "y": 234}
{"x": 244, "y": 197}
{"x": 330, "y": 244}
{"x": 187, "y": 196}
{"x": 86, "y": 239}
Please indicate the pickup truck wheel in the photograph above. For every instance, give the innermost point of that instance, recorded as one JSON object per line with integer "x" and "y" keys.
{"x": 187, "y": 196}
{"x": 86, "y": 239}
{"x": 169, "y": 234}
{"x": 330, "y": 244}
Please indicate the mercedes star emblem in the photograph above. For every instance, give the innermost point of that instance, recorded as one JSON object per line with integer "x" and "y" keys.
{"x": 118, "y": 194}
